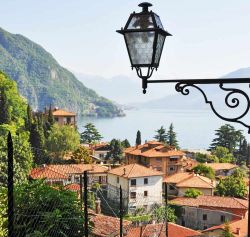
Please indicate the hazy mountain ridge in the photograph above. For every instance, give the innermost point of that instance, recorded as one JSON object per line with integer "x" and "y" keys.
{"x": 42, "y": 81}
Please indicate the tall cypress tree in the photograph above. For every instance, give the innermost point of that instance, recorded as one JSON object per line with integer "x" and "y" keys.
{"x": 161, "y": 135}
{"x": 29, "y": 118}
{"x": 171, "y": 137}
{"x": 138, "y": 138}
{"x": 50, "y": 116}
{"x": 5, "y": 116}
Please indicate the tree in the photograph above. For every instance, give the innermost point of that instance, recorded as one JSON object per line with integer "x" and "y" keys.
{"x": 159, "y": 214}
{"x": 90, "y": 135}
{"x": 62, "y": 139}
{"x": 227, "y": 136}
{"x": 242, "y": 153}
{"x": 138, "y": 138}
{"x": 227, "y": 232}
{"x": 171, "y": 137}
{"x": 161, "y": 135}
{"x": 82, "y": 155}
{"x": 204, "y": 170}
{"x": 116, "y": 151}
{"x": 59, "y": 215}
{"x": 232, "y": 186}
{"x": 125, "y": 143}
{"x": 3, "y": 211}
{"x": 192, "y": 193}
{"x": 203, "y": 158}
{"x": 29, "y": 118}
{"x": 5, "y": 115}
{"x": 51, "y": 119}
{"x": 223, "y": 154}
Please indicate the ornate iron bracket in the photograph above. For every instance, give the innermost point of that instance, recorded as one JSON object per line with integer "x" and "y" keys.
{"x": 231, "y": 101}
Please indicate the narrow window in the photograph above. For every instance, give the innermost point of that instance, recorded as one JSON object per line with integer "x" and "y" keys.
{"x": 145, "y": 193}
{"x": 133, "y": 195}
{"x": 133, "y": 182}
{"x": 204, "y": 217}
{"x": 222, "y": 219}
{"x": 117, "y": 180}
{"x": 145, "y": 180}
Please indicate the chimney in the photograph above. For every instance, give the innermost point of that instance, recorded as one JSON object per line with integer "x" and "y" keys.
{"x": 43, "y": 165}
{"x": 238, "y": 231}
{"x": 98, "y": 206}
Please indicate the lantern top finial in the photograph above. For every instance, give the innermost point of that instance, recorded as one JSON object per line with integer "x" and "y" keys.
{"x": 145, "y": 6}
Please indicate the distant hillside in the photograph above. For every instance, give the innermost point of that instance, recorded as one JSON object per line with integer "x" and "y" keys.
{"x": 42, "y": 81}
{"x": 195, "y": 99}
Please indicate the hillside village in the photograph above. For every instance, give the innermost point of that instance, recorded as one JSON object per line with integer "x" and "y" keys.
{"x": 148, "y": 174}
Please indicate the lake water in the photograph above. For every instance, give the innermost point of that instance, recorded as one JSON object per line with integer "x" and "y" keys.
{"x": 194, "y": 128}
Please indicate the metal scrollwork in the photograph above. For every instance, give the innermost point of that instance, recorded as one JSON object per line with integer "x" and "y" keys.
{"x": 230, "y": 100}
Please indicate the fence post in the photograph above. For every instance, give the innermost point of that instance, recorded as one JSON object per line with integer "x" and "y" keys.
{"x": 166, "y": 203}
{"x": 10, "y": 187}
{"x": 81, "y": 203}
{"x": 121, "y": 213}
{"x": 85, "y": 196}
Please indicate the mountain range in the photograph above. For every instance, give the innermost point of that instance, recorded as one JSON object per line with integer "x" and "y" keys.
{"x": 42, "y": 81}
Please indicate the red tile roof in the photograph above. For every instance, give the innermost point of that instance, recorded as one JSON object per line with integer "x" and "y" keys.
{"x": 150, "y": 230}
{"x": 134, "y": 171}
{"x": 212, "y": 201}
{"x": 73, "y": 187}
{"x": 176, "y": 178}
{"x": 157, "y": 150}
{"x": 241, "y": 225}
{"x": 221, "y": 166}
{"x": 63, "y": 171}
{"x": 60, "y": 112}
{"x": 196, "y": 181}
{"x": 105, "y": 226}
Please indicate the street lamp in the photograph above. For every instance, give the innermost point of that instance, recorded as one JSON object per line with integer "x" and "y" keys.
{"x": 145, "y": 36}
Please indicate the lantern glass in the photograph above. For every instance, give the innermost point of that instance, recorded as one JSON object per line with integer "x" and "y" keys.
{"x": 159, "y": 48}
{"x": 140, "y": 47}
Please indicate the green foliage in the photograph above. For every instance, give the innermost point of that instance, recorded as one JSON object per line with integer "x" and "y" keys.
{"x": 204, "y": 170}
{"x": 125, "y": 143}
{"x": 161, "y": 135}
{"x": 90, "y": 135}
{"x": 232, "y": 186}
{"x": 3, "y": 211}
{"x": 192, "y": 193}
{"x": 5, "y": 116}
{"x": 62, "y": 139}
{"x": 227, "y": 232}
{"x": 171, "y": 137}
{"x": 81, "y": 155}
{"x": 42, "y": 210}
{"x": 43, "y": 81}
{"x": 227, "y": 136}
{"x": 138, "y": 138}
{"x": 223, "y": 154}
{"x": 203, "y": 158}
{"x": 91, "y": 200}
{"x": 160, "y": 213}
{"x": 116, "y": 151}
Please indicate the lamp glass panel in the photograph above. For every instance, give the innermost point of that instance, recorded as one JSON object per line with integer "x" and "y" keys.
{"x": 159, "y": 47}
{"x": 158, "y": 22}
{"x": 141, "y": 22}
{"x": 140, "y": 46}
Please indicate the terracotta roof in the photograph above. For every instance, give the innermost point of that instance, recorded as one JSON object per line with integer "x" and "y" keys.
{"x": 234, "y": 225}
{"x": 176, "y": 178}
{"x": 196, "y": 181}
{"x": 188, "y": 163}
{"x": 73, "y": 187}
{"x": 221, "y": 166}
{"x": 60, "y": 112}
{"x": 150, "y": 230}
{"x": 134, "y": 170}
{"x": 159, "y": 150}
{"x": 212, "y": 201}
{"x": 63, "y": 171}
{"x": 105, "y": 226}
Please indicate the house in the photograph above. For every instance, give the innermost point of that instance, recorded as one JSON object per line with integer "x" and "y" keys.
{"x": 63, "y": 117}
{"x": 159, "y": 230}
{"x": 238, "y": 228}
{"x": 106, "y": 226}
{"x": 99, "y": 152}
{"x": 207, "y": 211}
{"x": 222, "y": 169}
{"x": 156, "y": 155}
{"x": 68, "y": 174}
{"x": 141, "y": 186}
{"x": 179, "y": 183}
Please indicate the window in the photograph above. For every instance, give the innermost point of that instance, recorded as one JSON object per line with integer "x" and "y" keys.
{"x": 183, "y": 211}
{"x": 145, "y": 180}
{"x": 204, "y": 217}
{"x": 171, "y": 168}
{"x": 56, "y": 119}
{"x": 222, "y": 219}
{"x": 133, "y": 195}
{"x": 69, "y": 178}
{"x": 77, "y": 179}
{"x": 204, "y": 227}
{"x": 173, "y": 159}
{"x": 133, "y": 182}
{"x": 183, "y": 223}
{"x": 117, "y": 180}
{"x": 68, "y": 120}
{"x": 171, "y": 187}
{"x": 158, "y": 159}
{"x": 145, "y": 193}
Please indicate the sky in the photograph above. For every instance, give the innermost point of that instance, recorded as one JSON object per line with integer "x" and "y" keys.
{"x": 210, "y": 38}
